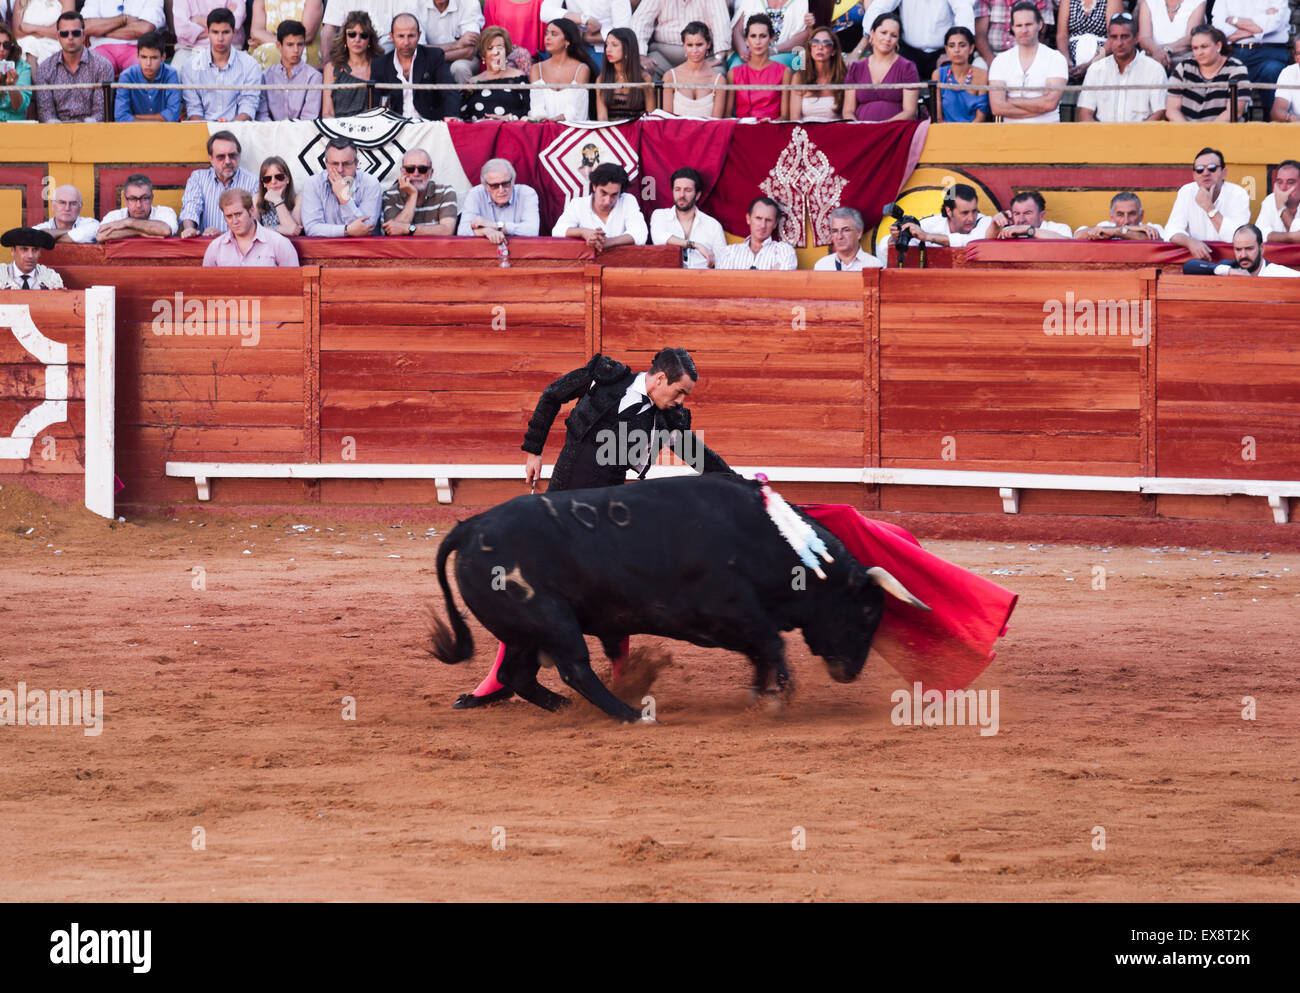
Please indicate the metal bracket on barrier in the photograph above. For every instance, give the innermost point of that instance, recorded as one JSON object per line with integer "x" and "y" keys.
{"x": 1010, "y": 499}
{"x": 205, "y": 488}
{"x": 446, "y": 488}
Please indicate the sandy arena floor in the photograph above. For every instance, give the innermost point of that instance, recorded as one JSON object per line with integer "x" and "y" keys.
{"x": 1119, "y": 708}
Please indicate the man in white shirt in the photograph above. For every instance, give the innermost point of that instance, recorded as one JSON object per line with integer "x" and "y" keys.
{"x": 846, "y": 244}
{"x": 1027, "y": 81}
{"x": 596, "y": 19}
{"x": 609, "y": 217}
{"x": 1207, "y": 208}
{"x": 381, "y": 14}
{"x": 1279, "y": 218}
{"x": 1124, "y": 66}
{"x": 1248, "y": 247}
{"x": 454, "y": 26}
{"x": 1127, "y": 223}
{"x": 1257, "y": 30}
{"x": 25, "y": 272}
{"x": 66, "y": 222}
{"x": 925, "y": 22}
{"x": 699, "y": 236}
{"x": 1286, "y": 98}
{"x": 759, "y": 251}
{"x": 140, "y": 218}
{"x": 1024, "y": 219}
{"x": 961, "y": 221}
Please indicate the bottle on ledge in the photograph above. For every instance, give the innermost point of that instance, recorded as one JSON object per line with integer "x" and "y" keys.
{"x": 503, "y": 253}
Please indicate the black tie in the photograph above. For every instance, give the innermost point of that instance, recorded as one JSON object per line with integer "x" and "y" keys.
{"x": 838, "y": 267}
{"x": 25, "y": 286}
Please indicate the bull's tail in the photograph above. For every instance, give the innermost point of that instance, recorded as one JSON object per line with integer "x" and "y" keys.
{"x": 454, "y": 644}
{"x": 886, "y": 581}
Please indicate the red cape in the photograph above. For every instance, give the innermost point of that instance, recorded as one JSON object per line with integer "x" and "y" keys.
{"x": 946, "y": 648}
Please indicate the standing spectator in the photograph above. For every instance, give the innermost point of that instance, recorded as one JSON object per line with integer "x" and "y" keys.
{"x": 200, "y": 211}
{"x": 264, "y": 29}
{"x": 1259, "y": 30}
{"x": 291, "y": 70}
{"x": 623, "y": 65}
{"x": 141, "y": 217}
{"x": 1081, "y": 32}
{"x": 699, "y": 236}
{"x": 414, "y": 64}
{"x": 993, "y": 34}
{"x": 221, "y": 65}
{"x": 825, "y": 68}
{"x": 114, "y": 27}
{"x": 1124, "y": 66}
{"x": 523, "y": 19}
{"x": 73, "y": 64}
{"x": 846, "y": 254}
{"x": 1208, "y": 208}
{"x": 15, "y": 92}
{"x": 352, "y": 54}
{"x": 759, "y": 250}
{"x": 25, "y": 272}
{"x": 453, "y": 27}
{"x": 150, "y": 67}
{"x": 499, "y": 207}
{"x": 341, "y": 202}
{"x": 34, "y": 23}
{"x": 658, "y": 25}
{"x": 484, "y": 100}
{"x": 569, "y": 63}
{"x": 1127, "y": 222}
{"x": 791, "y": 23}
{"x": 596, "y": 18}
{"x": 418, "y": 205}
{"x": 1286, "y": 98}
{"x": 883, "y": 66}
{"x": 1040, "y": 70}
{"x": 278, "y": 206}
{"x": 66, "y": 223}
{"x": 1165, "y": 34}
{"x": 609, "y": 217}
{"x": 926, "y": 24}
{"x": 1210, "y": 63}
{"x": 247, "y": 243}
{"x": 1279, "y": 213}
{"x": 1024, "y": 219}
{"x": 380, "y": 12}
{"x": 691, "y": 89}
{"x": 759, "y": 69}
{"x": 190, "y": 23}
{"x": 970, "y": 104}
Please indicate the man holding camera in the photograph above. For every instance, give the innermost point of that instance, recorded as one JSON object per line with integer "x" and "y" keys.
{"x": 961, "y": 221}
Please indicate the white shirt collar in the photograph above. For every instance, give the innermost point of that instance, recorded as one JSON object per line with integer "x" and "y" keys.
{"x": 636, "y": 393}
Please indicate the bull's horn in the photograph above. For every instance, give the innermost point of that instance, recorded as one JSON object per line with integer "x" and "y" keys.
{"x": 883, "y": 579}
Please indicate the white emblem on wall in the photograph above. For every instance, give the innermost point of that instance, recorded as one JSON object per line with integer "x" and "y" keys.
{"x": 54, "y": 408}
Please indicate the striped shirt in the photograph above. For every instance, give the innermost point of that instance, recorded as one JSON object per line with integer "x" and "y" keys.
{"x": 437, "y": 203}
{"x": 72, "y": 105}
{"x": 203, "y": 190}
{"x": 199, "y": 73}
{"x": 1207, "y": 104}
{"x": 290, "y": 105}
{"x": 663, "y": 20}
{"x": 771, "y": 255}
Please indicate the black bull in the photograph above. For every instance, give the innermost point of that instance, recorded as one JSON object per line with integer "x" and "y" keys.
{"x": 692, "y": 558}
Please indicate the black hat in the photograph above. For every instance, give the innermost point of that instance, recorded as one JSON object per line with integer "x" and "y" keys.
{"x": 27, "y": 236}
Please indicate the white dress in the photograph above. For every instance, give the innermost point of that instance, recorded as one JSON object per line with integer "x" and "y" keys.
{"x": 1166, "y": 30}
{"x": 819, "y": 109}
{"x": 43, "y": 13}
{"x": 684, "y": 106}
{"x": 546, "y": 102}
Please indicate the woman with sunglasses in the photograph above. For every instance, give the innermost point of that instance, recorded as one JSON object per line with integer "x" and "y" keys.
{"x": 483, "y": 100}
{"x": 623, "y": 65}
{"x": 970, "y": 103}
{"x": 691, "y": 89}
{"x": 34, "y": 25}
{"x": 14, "y": 100}
{"x": 1210, "y": 64}
{"x": 278, "y": 206}
{"x": 826, "y": 68}
{"x": 351, "y": 53}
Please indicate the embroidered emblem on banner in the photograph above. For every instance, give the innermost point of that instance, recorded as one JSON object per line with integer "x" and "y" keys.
{"x": 805, "y": 184}
{"x": 375, "y": 133}
{"x": 569, "y": 159}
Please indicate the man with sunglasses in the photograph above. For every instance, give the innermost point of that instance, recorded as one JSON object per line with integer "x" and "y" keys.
{"x": 1124, "y": 66}
{"x": 499, "y": 207}
{"x": 200, "y": 210}
{"x": 1208, "y": 208}
{"x": 74, "y": 64}
{"x": 141, "y": 217}
{"x": 418, "y": 205}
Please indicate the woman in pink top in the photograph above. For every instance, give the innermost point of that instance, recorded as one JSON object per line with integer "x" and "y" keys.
{"x": 759, "y": 69}
{"x": 522, "y": 18}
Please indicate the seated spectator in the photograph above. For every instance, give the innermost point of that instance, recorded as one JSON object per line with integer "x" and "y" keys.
{"x": 352, "y": 55}
{"x": 247, "y": 243}
{"x": 846, "y": 253}
{"x": 1037, "y": 72}
{"x": 523, "y": 19}
{"x": 926, "y": 25}
{"x": 140, "y": 218}
{"x": 483, "y": 100}
{"x": 1025, "y": 220}
{"x": 410, "y": 64}
{"x": 1207, "y": 208}
{"x": 1286, "y": 98}
{"x": 221, "y": 65}
{"x": 883, "y": 66}
{"x": 1081, "y": 32}
{"x": 190, "y": 23}
{"x": 200, "y": 210}
{"x": 341, "y": 202}
{"x": 1126, "y": 66}
{"x": 1127, "y": 222}
{"x": 1259, "y": 29}
{"x": 596, "y": 19}
{"x": 759, "y": 69}
{"x": 658, "y": 25}
{"x": 379, "y": 12}
{"x": 35, "y": 27}
{"x": 699, "y": 236}
{"x": 970, "y": 104}
{"x": 453, "y": 27}
{"x": 691, "y": 89}
{"x": 623, "y": 65}
{"x": 1248, "y": 247}
{"x": 569, "y": 63}
{"x": 609, "y": 217}
{"x": 278, "y": 206}
{"x": 1166, "y": 36}
{"x": 73, "y": 64}
{"x": 959, "y": 223}
{"x": 25, "y": 272}
{"x": 15, "y": 83}
{"x": 790, "y": 21}
{"x": 759, "y": 250}
{"x": 826, "y": 68}
{"x": 993, "y": 31}
{"x": 416, "y": 204}
{"x": 291, "y": 70}
{"x": 150, "y": 67}
{"x": 1278, "y": 220}
{"x": 66, "y": 223}
{"x": 1209, "y": 64}
{"x": 265, "y": 42}
{"x": 114, "y": 26}
{"x": 499, "y": 207}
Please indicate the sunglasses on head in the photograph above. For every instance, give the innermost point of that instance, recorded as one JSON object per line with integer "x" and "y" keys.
{"x": 421, "y": 169}
{"x": 1199, "y": 170}
{"x": 74, "y": 33}
{"x": 274, "y": 177}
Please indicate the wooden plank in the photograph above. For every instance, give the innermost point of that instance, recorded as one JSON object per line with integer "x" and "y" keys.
{"x": 1027, "y": 448}
{"x": 452, "y": 284}
{"x": 176, "y": 413}
{"x": 227, "y": 360}
{"x": 713, "y": 284}
{"x": 27, "y": 382}
{"x": 478, "y": 313}
{"x": 1071, "y": 468}
{"x": 241, "y": 387}
{"x": 550, "y": 340}
{"x": 1041, "y": 420}
{"x": 267, "y": 334}
{"x": 1082, "y": 396}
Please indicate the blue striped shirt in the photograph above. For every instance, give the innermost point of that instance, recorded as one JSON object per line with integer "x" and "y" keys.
{"x": 203, "y": 190}
{"x": 221, "y": 105}
{"x": 131, "y": 103}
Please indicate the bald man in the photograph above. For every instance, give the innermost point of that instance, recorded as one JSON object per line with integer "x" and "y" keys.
{"x": 418, "y": 205}
{"x": 66, "y": 223}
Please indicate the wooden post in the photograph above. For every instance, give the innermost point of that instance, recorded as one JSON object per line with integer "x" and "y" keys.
{"x": 101, "y": 398}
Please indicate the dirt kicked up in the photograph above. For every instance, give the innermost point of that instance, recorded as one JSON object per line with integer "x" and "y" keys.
{"x": 272, "y": 729}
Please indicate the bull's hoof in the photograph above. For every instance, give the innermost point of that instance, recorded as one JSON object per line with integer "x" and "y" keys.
{"x": 468, "y": 701}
